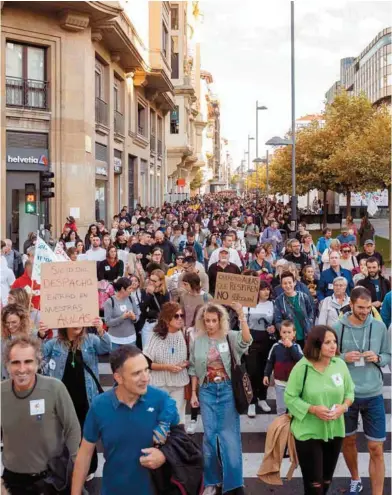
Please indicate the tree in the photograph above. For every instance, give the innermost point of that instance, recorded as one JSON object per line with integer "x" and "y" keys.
{"x": 197, "y": 181}
{"x": 337, "y": 156}
{"x": 257, "y": 180}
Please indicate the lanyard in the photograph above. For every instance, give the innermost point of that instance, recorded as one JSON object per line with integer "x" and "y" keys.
{"x": 355, "y": 341}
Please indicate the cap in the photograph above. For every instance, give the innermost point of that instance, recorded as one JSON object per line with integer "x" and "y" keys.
{"x": 369, "y": 241}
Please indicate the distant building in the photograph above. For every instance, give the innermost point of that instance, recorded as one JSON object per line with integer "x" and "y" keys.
{"x": 307, "y": 120}
{"x": 369, "y": 73}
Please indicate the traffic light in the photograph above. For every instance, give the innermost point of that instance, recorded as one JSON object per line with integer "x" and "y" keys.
{"x": 30, "y": 199}
{"x": 46, "y": 185}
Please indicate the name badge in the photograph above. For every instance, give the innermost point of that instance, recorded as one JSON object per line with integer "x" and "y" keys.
{"x": 337, "y": 379}
{"x": 107, "y": 268}
{"x": 224, "y": 347}
{"x": 123, "y": 307}
{"x": 37, "y": 407}
{"x": 330, "y": 286}
{"x": 361, "y": 362}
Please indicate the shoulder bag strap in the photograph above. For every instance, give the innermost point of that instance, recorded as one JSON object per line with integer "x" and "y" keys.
{"x": 156, "y": 302}
{"x": 303, "y": 383}
{"x": 91, "y": 372}
{"x": 232, "y": 360}
{"x": 370, "y": 335}
{"x": 341, "y": 339}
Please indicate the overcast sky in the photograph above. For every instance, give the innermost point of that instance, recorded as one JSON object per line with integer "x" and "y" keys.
{"x": 245, "y": 44}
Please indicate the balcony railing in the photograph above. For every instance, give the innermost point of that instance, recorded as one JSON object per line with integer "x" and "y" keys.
{"x": 159, "y": 147}
{"x": 140, "y": 130}
{"x": 101, "y": 111}
{"x": 27, "y": 93}
{"x": 118, "y": 122}
{"x": 153, "y": 146}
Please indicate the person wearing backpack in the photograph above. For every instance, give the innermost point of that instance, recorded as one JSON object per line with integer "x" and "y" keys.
{"x": 319, "y": 391}
{"x": 120, "y": 314}
{"x": 365, "y": 346}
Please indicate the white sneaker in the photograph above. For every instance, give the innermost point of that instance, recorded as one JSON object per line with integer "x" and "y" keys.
{"x": 90, "y": 477}
{"x": 191, "y": 428}
{"x": 210, "y": 490}
{"x": 252, "y": 410}
{"x": 264, "y": 406}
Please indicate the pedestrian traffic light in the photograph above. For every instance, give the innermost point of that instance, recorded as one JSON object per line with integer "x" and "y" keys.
{"x": 46, "y": 185}
{"x": 30, "y": 199}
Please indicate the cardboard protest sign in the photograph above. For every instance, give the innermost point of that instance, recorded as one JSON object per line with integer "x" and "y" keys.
{"x": 237, "y": 288}
{"x": 69, "y": 294}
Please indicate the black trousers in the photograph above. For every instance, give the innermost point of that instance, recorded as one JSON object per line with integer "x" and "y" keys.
{"x": 318, "y": 461}
{"x": 255, "y": 361}
{"x": 25, "y": 484}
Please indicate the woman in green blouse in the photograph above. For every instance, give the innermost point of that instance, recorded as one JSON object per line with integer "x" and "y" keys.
{"x": 319, "y": 391}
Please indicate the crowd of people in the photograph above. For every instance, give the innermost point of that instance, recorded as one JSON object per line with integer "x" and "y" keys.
{"x": 319, "y": 335}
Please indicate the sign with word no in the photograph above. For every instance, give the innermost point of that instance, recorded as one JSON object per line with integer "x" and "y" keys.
{"x": 243, "y": 289}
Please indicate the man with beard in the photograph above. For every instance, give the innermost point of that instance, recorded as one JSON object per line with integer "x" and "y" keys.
{"x": 365, "y": 346}
{"x": 377, "y": 285}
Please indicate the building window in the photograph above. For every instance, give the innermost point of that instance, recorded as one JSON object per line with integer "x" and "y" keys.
{"x": 153, "y": 132}
{"x": 101, "y": 107}
{"x": 25, "y": 76}
{"x": 389, "y": 80}
{"x": 175, "y": 60}
{"x": 165, "y": 40}
{"x": 100, "y": 200}
{"x": 174, "y": 121}
{"x": 174, "y": 18}
{"x": 160, "y": 135}
{"x": 141, "y": 120}
{"x": 117, "y": 105}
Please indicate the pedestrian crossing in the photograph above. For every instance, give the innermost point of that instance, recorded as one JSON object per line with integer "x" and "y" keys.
{"x": 253, "y": 435}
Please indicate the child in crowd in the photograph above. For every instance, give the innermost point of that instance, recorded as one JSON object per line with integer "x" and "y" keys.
{"x": 281, "y": 360}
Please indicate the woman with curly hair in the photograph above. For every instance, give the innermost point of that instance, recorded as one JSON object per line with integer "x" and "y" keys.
{"x": 72, "y": 357}
{"x": 210, "y": 368}
{"x": 167, "y": 355}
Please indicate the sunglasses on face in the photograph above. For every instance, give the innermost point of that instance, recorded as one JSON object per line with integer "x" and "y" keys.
{"x": 346, "y": 251}
{"x": 178, "y": 316}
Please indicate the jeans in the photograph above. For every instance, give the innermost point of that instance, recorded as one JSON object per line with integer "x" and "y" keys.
{"x": 177, "y": 394}
{"x": 280, "y": 404}
{"x": 222, "y": 447}
{"x": 318, "y": 461}
{"x": 255, "y": 364}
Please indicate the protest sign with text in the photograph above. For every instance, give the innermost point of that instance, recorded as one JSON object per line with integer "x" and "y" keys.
{"x": 43, "y": 254}
{"x": 237, "y": 288}
{"x": 69, "y": 294}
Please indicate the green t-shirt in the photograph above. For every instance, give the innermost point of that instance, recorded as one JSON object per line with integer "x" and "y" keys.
{"x": 299, "y": 331}
{"x": 333, "y": 386}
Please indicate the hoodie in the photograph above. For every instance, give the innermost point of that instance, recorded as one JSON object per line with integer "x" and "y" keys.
{"x": 25, "y": 282}
{"x": 368, "y": 379}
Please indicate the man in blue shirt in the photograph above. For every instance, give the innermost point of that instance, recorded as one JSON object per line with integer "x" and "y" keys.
{"x": 325, "y": 286}
{"x": 124, "y": 419}
{"x": 346, "y": 238}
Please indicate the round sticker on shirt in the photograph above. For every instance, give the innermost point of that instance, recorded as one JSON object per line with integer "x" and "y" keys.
{"x": 337, "y": 379}
{"x": 52, "y": 364}
{"x": 123, "y": 307}
{"x": 107, "y": 268}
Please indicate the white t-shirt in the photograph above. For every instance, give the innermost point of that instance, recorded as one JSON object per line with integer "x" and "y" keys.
{"x": 7, "y": 278}
{"x": 96, "y": 254}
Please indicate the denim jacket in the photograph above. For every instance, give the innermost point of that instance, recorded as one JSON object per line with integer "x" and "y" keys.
{"x": 55, "y": 355}
{"x": 199, "y": 353}
{"x": 283, "y": 311}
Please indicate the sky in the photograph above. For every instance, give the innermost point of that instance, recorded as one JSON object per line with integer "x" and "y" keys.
{"x": 245, "y": 44}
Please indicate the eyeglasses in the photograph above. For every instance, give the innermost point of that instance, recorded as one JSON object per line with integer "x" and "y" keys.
{"x": 178, "y": 316}
{"x": 346, "y": 251}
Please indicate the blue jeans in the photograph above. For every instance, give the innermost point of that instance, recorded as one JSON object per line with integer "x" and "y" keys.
{"x": 221, "y": 423}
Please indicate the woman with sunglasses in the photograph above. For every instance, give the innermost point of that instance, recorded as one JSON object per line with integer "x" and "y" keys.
{"x": 261, "y": 323}
{"x": 167, "y": 355}
{"x": 347, "y": 259}
{"x": 153, "y": 298}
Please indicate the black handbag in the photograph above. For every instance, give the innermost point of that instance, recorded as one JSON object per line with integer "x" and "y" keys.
{"x": 240, "y": 381}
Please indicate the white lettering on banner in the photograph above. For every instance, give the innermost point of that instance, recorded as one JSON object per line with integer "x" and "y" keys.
{"x": 60, "y": 253}
{"x": 43, "y": 254}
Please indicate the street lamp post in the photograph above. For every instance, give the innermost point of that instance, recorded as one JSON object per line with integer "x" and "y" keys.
{"x": 293, "y": 175}
{"x": 261, "y": 107}
{"x": 249, "y": 140}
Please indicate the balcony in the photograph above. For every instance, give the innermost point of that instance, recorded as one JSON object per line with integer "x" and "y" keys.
{"x": 27, "y": 93}
{"x": 153, "y": 146}
{"x": 140, "y": 130}
{"x": 101, "y": 112}
{"x": 160, "y": 147}
{"x": 118, "y": 123}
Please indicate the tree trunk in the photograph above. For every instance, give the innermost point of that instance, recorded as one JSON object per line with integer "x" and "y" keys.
{"x": 325, "y": 209}
{"x": 348, "y": 202}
